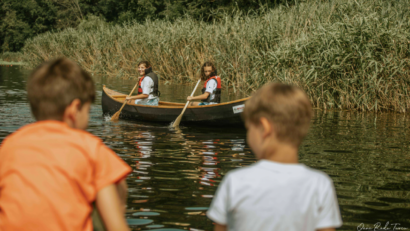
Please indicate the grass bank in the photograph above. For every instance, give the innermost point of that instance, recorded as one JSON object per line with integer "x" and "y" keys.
{"x": 346, "y": 54}
{"x": 11, "y": 58}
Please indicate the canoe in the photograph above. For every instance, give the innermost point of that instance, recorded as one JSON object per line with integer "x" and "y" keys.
{"x": 223, "y": 114}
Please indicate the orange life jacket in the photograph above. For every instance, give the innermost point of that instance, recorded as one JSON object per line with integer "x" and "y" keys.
{"x": 217, "y": 98}
{"x": 139, "y": 85}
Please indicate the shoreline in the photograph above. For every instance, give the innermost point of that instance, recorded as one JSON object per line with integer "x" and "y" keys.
{"x": 5, "y": 63}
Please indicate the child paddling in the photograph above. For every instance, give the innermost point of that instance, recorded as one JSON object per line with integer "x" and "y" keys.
{"x": 148, "y": 93}
{"x": 211, "y": 92}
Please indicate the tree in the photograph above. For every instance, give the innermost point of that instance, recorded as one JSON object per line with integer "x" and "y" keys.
{"x": 69, "y": 13}
{"x": 23, "y": 19}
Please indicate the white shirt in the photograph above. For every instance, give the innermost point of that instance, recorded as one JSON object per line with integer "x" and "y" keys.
{"x": 211, "y": 86}
{"x": 147, "y": 86}
{"x": 272, "y": 196}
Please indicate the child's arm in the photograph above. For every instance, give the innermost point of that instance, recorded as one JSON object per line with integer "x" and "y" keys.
{"x": 111, "y": 209}
{"x": 199, "y": 97}
{"x": 140, "y": 96}
{"x": 219, "y": 227}
{"x": 122, "y": 189}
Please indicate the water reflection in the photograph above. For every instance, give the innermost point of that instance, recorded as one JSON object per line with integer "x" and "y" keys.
{"x": 368, "y": 158}
{"x": 176, "y": 172}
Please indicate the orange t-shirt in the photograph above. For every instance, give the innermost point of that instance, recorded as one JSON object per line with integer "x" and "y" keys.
{"x": 50, "y": 175}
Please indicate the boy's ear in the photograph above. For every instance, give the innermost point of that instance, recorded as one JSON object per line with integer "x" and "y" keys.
{"x": 267, "y": 127}
{"x": 74, "y": 106}
{"x": 71, "y": 111}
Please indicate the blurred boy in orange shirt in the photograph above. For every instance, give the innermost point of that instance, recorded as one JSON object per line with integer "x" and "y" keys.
{"x": 52, "y": 171}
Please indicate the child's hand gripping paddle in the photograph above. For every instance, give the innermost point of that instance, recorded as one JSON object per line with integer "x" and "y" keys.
{"x": 178, "y": 120}
{"x": 117, "y": 114}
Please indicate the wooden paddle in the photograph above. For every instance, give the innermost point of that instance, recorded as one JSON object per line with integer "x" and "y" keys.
{"x": 178, "y": 120}
{"x": 117, "y": 114}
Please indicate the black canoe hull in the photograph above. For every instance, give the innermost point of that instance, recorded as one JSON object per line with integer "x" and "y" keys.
{"x": 224, "y": 114}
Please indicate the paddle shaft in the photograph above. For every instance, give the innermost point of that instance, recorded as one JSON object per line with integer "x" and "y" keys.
{"x": 125, "y": 101}
{"x": 178, "y": 120}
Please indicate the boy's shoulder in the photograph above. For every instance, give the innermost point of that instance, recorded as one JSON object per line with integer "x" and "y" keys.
{"x": 48, "y": 132}
{"x": 264, "y": 168}
{"x": 247, "y": 172}
{"x": 56, "y": 142}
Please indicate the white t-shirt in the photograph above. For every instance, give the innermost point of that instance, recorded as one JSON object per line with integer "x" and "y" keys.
{"x": 211, "y": 86}
{"x": 272, "y": 196}
{"x": 147, "y": 86}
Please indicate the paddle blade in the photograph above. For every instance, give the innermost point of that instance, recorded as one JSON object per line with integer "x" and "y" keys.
{"x": 116, "y": 116}
{"x": 177, "y": 121}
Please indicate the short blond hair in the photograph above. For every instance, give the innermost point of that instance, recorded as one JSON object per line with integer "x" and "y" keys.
{"x": 287, "y": 107}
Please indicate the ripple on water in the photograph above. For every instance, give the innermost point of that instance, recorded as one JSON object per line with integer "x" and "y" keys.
{"x": 170, "y": 229}
{"x": 139, "y": 221}
{"x": 107, "y": 118}
{"x": 146, "y": 214}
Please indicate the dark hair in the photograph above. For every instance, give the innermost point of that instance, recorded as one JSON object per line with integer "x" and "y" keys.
{"x": 207, "y": 64}
{"x": 54, "y": 85}
{"x": 287, "y": 107}
{"x": 146, "y": 63}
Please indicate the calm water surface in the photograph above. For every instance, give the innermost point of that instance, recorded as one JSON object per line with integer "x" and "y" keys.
{"x": 175, "y": 173}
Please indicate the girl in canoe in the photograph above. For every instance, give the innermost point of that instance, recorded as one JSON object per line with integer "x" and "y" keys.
{"x": 148, "y": 93}
{"x": 211, "y": 92}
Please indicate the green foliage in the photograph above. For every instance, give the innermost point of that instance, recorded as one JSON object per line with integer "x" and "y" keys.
{"x": 24, "y": 19}
{"x": 346, "y": 54}
{"x": 91, "y": 23}
{"x": 207, "y": 10}
{"x": 20, "y": 20}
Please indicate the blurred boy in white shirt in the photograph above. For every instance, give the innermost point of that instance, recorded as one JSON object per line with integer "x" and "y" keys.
{"x": 277, "y": 192}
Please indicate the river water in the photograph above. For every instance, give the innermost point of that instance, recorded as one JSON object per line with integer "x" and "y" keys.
{"x": 176, "y": 172}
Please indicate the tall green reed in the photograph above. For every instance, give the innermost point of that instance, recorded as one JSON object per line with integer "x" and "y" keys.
{"x": 346, "y": 54}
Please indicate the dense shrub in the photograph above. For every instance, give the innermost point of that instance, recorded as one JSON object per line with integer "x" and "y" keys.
{"x": 23, "y": 19}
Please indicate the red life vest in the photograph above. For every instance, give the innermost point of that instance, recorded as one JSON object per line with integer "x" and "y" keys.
{"x": 217, "y": 98}
{"x": 139, "y": 85}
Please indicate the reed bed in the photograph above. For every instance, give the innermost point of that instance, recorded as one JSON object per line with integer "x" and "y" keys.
{"x": 346, "y": 54}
